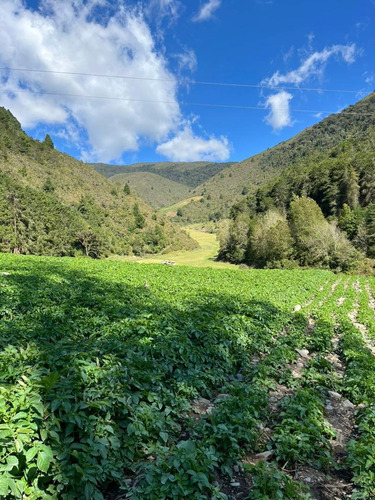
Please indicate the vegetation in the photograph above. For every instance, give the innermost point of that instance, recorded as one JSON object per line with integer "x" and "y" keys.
{"x": 52, "y": 204}
{"x": 102, "y": 380}
{"x": 190, "y": 174}
{"x": 302, "y": 237}
{"x": 324, "y": 162}
{"x": 156, "y": 190}
{"x": 326, "y": 198}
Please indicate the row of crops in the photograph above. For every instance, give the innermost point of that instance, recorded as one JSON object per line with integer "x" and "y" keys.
{"x": 150, "y": 382}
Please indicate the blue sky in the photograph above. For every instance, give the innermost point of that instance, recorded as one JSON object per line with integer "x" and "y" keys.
{"x": 161, "y": 48}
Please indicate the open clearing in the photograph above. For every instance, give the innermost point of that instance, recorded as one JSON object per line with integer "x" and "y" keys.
{"x": 204, "y": 256}
{"x": 154, "y": 382}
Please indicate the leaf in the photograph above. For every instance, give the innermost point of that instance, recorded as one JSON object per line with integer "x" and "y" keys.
{"x": 4, "y": 486}
{"x": 43, "y": 462}
{"x": 30, "y": 454}
{"x": 19, "y": 445}
{"x": 12, "y": 461}
{"x": 164, "y": 436}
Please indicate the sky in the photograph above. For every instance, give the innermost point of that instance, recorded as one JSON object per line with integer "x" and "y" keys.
{"x": 169, "y": 80}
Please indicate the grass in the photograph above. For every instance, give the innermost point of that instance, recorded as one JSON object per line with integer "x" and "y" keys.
{"x": 203, "y": 256}
{"x": 156, "y": 190}
{"x": 171, "y": 210}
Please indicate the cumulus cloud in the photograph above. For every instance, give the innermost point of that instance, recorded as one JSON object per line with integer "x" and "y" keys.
{"x": 279, "y": 115}
{"x": 186, "y": 146}
{"x": 313, "y": 65}
{"x": 66, "y": 36}
{"x": 207, "y": 10}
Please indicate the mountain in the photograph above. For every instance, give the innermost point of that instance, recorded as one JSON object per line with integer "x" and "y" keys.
{"x": 163, "y": 183}
{"x": 190, "y": 174}
{"x": 53, "y": 204}
{"x": 157, "y": 190}
{"x": 318, "y": 208}
{"x": 310, "y": 146}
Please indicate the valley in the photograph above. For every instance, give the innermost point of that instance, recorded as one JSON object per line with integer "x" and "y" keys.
{"x": 203, "y": 256}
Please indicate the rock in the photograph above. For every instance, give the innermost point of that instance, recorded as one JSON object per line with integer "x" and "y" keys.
{"x": 297, "y": 308}
{"x": 239, "y": 377}
{"x": 300, "y": 365}
{"x": 235, "y": 485}
{"x": 264, "y": 456}
{"x": 334, "y": 395}
{"x": 329, "y": 407}
{"x": 5, "y": 274}
{"x": 304, "y": 353}
{"x": 236, "y": 468}
{"x": 296, "y": 374}
{"x": 307, "y": 479}
{"x": 222, "y": 396}
{"x": 347, "y": 404}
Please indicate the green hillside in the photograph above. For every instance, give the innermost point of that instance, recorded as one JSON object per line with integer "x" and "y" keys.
{"x": 158, "y": 191}
{"x": 308, "y": 147}
{"x": 320, "y": 210}
{"x": 53, "y": 204}
{"x": 191, "y": 174}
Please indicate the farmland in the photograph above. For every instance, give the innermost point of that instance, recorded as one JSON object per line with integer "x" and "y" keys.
{"x": 148, "y": 382}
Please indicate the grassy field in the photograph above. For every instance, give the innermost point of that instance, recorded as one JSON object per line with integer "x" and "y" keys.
{"x": 204, "y": 256}
{"x": 153, "y": 382}
{"x": 171, "y": 211}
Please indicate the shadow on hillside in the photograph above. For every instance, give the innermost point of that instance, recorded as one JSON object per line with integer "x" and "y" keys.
{"x": 116, "y": 364}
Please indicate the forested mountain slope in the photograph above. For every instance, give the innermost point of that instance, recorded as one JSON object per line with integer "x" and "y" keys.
{"x": 53, "y": 204}
{"x": 307, "y": 148}
{"x": 319, "y": 210}
{"x": 190, "y": 174}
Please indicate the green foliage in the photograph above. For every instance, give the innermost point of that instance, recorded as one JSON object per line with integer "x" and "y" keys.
{"x": 270, "y": 482}
{"x": 52, "y": 204}
{"x": 98, "y": 374}
{"x": 126, "y": 188}
{"x": 48, "y": 143}
{"x": 303, "y": 434}
{"x": 271, "y": 239}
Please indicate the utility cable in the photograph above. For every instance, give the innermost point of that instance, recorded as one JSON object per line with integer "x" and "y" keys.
{"x": 182, "y": 103}
{"x": 188, "y": 82}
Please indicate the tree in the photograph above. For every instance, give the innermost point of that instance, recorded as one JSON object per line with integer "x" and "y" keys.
{"x": 271, "y": 239}
{"x": 139, "y": 218}
{"x": 48, "y": 142}
{"x": 234, "y": 239}
{"x": 309, "y": 230}
{"x": 127, "y": 189}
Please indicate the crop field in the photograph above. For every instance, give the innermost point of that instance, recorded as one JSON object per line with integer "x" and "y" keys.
{"x": 123, "y": 381}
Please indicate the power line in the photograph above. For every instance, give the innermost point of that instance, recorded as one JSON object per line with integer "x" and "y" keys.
{"x": 189, "y": 82}
{"x": 208, "y": 105}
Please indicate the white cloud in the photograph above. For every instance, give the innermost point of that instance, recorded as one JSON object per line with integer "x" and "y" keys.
{"x": 207, "y": 10}
{"x": 313, "y": 65}
{"x": 64, "y": 35}
{"x": 157, "y": 10}
{"x": 186, "y": 60}
{"x": 279, "y": 115}
{"x": 186, "y": 146}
